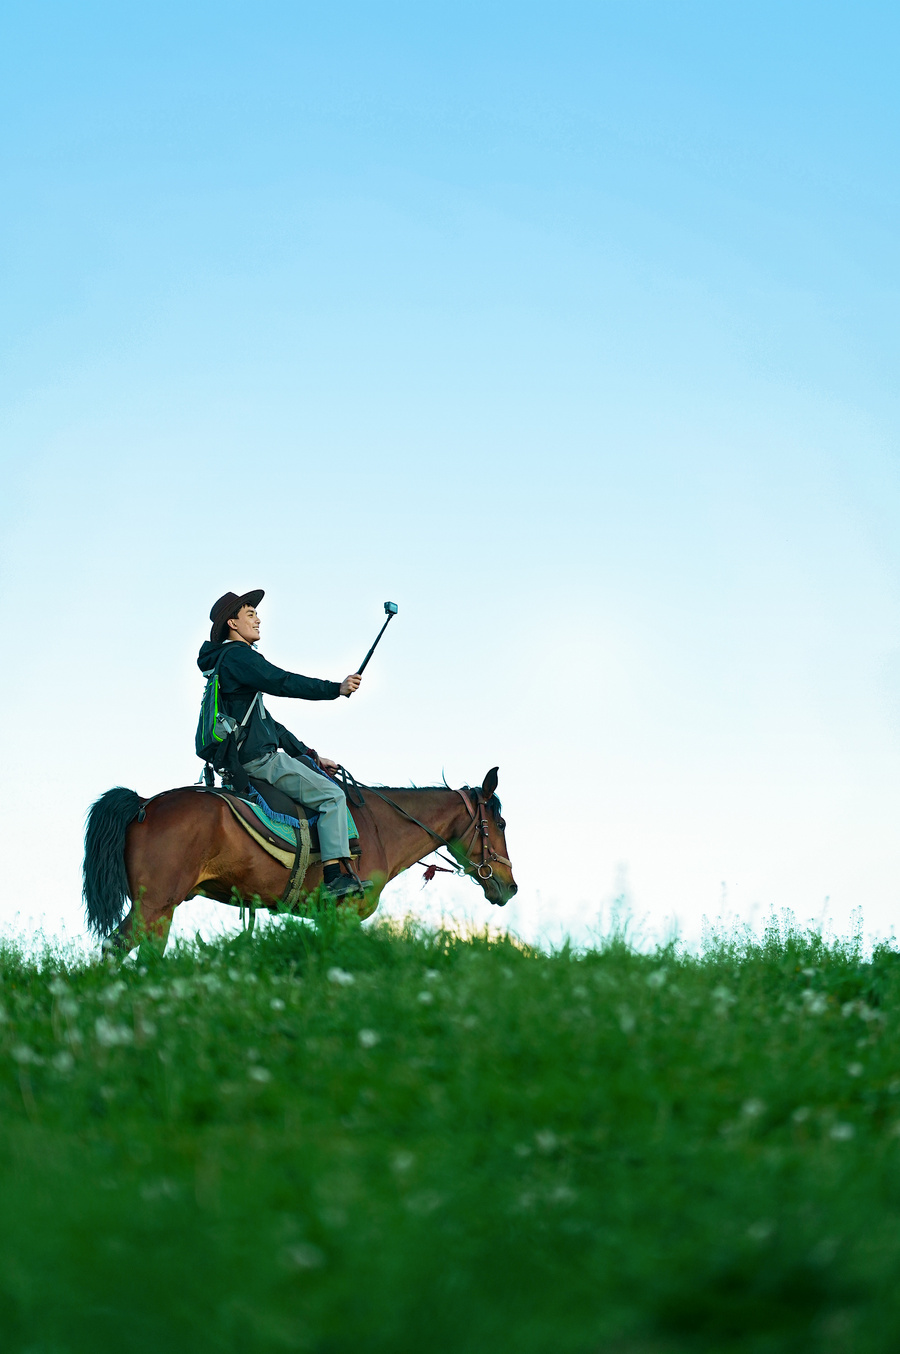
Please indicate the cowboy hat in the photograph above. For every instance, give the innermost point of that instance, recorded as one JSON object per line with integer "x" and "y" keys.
{"x": 228, "y": 605}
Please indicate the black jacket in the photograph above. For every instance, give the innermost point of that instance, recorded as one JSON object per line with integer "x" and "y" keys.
{"x": 242, "y": 673}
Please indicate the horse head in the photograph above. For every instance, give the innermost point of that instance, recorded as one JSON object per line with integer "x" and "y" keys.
{"x": 488, "y": 852}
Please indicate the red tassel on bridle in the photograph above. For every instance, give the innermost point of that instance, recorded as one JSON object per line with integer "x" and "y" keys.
{"x": 431, "y": 871}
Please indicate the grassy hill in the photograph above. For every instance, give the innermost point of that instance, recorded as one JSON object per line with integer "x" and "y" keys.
{"x": 343, "y": 1138}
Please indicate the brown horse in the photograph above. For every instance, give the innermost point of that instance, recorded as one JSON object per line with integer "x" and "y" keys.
{"x": 185, "y": 842}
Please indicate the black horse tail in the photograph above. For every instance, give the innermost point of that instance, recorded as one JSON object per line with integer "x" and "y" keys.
{"x": 105, "y": 880}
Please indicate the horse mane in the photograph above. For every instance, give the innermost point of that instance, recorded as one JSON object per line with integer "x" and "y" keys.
{"x": 493, "y": 804}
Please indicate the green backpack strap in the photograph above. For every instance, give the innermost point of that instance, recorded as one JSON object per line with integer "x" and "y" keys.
{"x": 215, "y": 728}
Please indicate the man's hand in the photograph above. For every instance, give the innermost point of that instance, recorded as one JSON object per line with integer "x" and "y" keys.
{"x": 349, "y": 684}
{"x": 328, "y": 765}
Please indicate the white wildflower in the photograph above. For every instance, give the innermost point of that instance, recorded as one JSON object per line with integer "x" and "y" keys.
{"x": 110, "y": 995}
{"x": 561, "y": 1194}
{"x": 159, "y": 1189}
{"x": 842, "y": 1132}
{"x": 424, "y": 1203}
{"x": 305, "y": 1256}
{"x": 403, "y": 1162}
{"x": 800, "y": 1115}
{"x": 63, "y": 1061}
{"x": 722, "y": 998}
{"x": 854, "y": 1069}
{"x": 426, "y": 998}
{"x": 25, "y": 1055}
{"x": 816, "y": 1002}
{"x": 753, "y": 1108}
{"x": 58, "y": 987}
{"x": 260, "y": 1074}
{"x": 657, "y": 978}
{"x": 276, "y": 1004}
{"x": 431, "y": 975}
{"x": 110, "y": 1035}
{"x": 546, "y": 1140}
{"x": 369, "y": 1038}
{"x": 68, "y": 1007}
{"x": 341, "y": 977}
{"x": 627, "y": 1021}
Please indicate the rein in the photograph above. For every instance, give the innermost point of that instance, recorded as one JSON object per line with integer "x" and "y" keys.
{"x": 478, "y": 826}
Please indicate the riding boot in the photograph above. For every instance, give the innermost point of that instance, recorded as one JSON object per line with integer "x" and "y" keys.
{"x": 346, "y": 887}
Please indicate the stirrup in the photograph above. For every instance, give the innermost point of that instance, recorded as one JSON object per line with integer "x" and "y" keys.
{"x": 346, "y": 886}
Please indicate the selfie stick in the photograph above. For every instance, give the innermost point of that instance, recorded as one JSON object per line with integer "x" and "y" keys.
{"x": 391, "y": 610}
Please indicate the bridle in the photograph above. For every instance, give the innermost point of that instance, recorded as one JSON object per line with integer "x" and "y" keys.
{"x": 477, "y": 830}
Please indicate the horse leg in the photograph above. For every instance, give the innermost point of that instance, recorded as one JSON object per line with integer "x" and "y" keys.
{"x": 134, "y": 928}
{"x": 154, "y": 903}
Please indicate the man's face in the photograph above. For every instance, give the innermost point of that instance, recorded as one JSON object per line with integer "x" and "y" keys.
{"x": 246, "y": 627}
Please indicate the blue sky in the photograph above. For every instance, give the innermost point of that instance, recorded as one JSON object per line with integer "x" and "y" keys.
{"x": 571, "y": 328}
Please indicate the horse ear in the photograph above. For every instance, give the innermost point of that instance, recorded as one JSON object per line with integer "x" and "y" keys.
{"x": 489, "y": 784}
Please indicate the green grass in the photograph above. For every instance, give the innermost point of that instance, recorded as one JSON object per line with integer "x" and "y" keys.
{"x": 344, "y": 1138}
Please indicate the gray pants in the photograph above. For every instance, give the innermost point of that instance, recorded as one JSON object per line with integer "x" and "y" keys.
{"x": 315, "y": 792}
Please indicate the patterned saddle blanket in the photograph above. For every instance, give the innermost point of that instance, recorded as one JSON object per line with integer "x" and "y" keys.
{"x": 271, "y": 818}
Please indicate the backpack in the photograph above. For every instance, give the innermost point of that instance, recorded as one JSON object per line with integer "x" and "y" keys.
{"x": 215, "y": 727}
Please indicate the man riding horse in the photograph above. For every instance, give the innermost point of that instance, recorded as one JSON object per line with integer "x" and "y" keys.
{"x": 263, "y": 748}
{"x": 155, "y": 852}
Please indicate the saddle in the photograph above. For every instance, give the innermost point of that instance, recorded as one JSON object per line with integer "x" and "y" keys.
{"x": 278, "y": 806}
{"x": 272, "y": 818}
{"x": 285, "y": 830}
